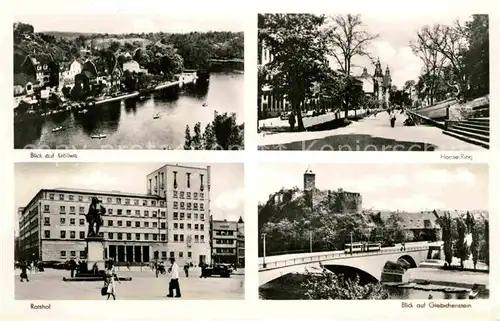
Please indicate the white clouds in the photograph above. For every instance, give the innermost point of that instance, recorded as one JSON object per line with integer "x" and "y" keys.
{"x": 443, "y": 176}
{"x": 231, "y": 200}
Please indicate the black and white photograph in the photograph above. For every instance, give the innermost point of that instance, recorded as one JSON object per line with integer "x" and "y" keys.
{"x": 374, "y": 232}
{"x": 374, "y": 82}
{"x": 129, "y": 231}
{"x": 122, "y": 81}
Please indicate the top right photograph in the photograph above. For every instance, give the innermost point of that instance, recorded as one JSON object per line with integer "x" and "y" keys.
{"x": 382, "y": 82}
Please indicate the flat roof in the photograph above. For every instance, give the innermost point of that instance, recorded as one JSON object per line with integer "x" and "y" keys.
{"x": 177, "y": 165}
{"x": 100, "y": 192}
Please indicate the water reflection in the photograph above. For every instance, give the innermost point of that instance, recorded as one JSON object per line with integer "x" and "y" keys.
{"x": 135, "y": 126}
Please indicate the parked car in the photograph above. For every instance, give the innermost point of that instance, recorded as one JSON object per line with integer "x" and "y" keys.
{"x": 222, "y": 270}
{"x": 285, "y": 115}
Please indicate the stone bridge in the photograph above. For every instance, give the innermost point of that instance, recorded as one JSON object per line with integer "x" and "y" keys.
{"x": 369, "y": 265}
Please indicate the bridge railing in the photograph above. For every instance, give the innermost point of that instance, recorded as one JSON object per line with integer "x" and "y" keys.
{"x": 324, "y": 257}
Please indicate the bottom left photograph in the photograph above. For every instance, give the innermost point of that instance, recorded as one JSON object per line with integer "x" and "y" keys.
{"x": 129, "y": 231}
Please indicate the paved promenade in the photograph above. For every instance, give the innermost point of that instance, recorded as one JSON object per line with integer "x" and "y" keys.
{"x": 373, "y": 133}
{"x": 48, "y": 285}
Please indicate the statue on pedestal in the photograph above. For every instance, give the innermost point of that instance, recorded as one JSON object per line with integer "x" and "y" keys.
{"x": 94, "y": 217}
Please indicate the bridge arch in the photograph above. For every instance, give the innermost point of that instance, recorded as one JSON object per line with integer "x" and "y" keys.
{"x": 350, "y": 272}
{"x": 409, "y": 259}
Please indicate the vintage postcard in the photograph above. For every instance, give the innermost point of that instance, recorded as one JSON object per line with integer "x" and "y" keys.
{"x": 349, "y": 82}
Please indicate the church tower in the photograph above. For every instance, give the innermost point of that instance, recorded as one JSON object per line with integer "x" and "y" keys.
{"x": 387, "y": 85}
{"x": 378, "y": 79}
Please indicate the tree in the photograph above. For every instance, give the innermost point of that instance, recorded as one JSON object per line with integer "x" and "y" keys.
{"x": 187, "y": 139}
{"x": 208, "y": 138}
{"x": 329, "y": 286}
{"x": 348, "y": 39}
{"x": 408, "y": 87}
{"x": 478, "y": 55}
{"x": 486, "y": 244}
{"x": 474, "y": 247}
{"x": 461, "y": 249}
{"x": 446, "y": 225}
{"x": 298, "y": 46}
{"x": 196, "y": 139}
{"x": 223, "y": 133}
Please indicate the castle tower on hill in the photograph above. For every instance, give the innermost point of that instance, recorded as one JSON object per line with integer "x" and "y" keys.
{"x": 342, "y": 201}
{"x": 309, "y": 180}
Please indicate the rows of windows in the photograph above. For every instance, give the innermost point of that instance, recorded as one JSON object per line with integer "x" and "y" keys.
{"x": 189, "y": 206}
{"x": 189, "y": 238}
{"x": 224, "y": 241}
{"x": 110, "y": 211}
{"x": 109, "y": 200}
{"x": 187, "y": 195}
{"x": 189, "y": 226}
{"x": 111, "y": 236}
{"x": 224, "y": 233}
{"x": 137, "y": 224}
{"x": 188, "y": 216}
{"x": 224, "y": 251}
{"x": 81, "y": 222}
{"x": 72, "y": 254}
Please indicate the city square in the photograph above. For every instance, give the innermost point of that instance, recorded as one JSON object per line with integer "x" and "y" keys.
{"x": 48, "y": 285}
{"x": 185, "y": 235}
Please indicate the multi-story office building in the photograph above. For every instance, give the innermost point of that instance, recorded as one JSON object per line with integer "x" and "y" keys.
{"x": 137, "y": 227}
{"x": 187, "y": 192}
{"x": 228, "y": 241}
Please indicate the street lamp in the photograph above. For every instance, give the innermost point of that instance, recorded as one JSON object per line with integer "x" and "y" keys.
{"x": 264, "y": 249}
{"x": 351, "y": 242}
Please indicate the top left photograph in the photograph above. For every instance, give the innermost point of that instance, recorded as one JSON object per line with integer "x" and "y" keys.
{"x": 159, "y": 82}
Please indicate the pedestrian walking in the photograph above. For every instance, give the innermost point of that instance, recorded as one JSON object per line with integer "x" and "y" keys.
{"x": 72, "y": 267}
{"x": 128, "y": 265}
{"x": 32, "y": 268}
{"x": 392, "y": 116}
{"x": 291, "y": 121}
{"x": 110, "y": 280}
{"x": 186, "y": 269}
{"x": 174, "y": 280}
{"x": 24, "y": 275}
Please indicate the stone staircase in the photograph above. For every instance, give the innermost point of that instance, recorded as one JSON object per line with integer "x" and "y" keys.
{"x": 474, "y": 130}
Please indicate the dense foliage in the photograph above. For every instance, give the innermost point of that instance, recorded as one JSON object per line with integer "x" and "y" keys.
{"x": 290, "y": 225}
{"x": 299, "y": 70}
{"x": 456, "y": 60}
{"x": 455, "y": 232}
{"x": 329, "y": 286}
{"x": 223, "y": 133}
{"x": 158, "y": 52}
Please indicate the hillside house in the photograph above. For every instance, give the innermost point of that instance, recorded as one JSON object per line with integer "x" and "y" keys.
{"x": 43, "y": 68}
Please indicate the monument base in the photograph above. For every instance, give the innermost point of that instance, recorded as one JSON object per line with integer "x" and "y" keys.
{"x": 95, "y": 254}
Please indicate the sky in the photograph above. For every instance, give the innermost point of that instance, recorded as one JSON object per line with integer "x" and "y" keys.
{"x": 126, "y": 23}
{"x": 404, "y": 187}
{"x": 227, "y": 181}
{"x": 392, "y": 46}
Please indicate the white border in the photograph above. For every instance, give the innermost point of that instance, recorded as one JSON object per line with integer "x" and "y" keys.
{"x": 251, "y": 308}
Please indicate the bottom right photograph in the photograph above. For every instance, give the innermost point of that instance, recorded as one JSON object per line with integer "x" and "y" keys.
{"x": 373, "y": 231}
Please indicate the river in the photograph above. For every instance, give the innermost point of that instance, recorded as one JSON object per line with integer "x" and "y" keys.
{"x": 288, "y": 288}
{"x": 130, "y": 124}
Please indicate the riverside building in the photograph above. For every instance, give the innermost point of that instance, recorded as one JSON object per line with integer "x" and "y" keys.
{"x": 167, "y": 221}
